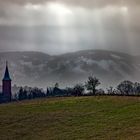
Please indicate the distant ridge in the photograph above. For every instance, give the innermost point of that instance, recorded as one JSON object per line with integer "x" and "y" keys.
{"x": 41, "y": 69}
{"x": 79, "y": 51}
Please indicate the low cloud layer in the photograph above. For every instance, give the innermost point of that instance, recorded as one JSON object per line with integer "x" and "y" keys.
{"x": 65, "y": 25}
{"x": 83, "y": 3}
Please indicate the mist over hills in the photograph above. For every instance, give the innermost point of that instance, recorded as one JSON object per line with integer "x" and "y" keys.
{"x": 42, "y": 70}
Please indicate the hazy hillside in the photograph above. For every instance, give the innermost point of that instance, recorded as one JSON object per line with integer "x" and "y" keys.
{"x": 40, "y": 69}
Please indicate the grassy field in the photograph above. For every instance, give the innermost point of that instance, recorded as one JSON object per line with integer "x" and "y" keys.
{"x": 73, "y": 118}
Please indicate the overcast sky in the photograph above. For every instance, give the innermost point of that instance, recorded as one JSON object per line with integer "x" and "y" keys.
{"x": 59, "y": 26}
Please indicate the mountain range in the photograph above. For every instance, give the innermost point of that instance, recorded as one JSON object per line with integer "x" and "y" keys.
{"x": 42, "y": 70}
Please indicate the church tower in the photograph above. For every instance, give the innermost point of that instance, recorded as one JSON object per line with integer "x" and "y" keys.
{"x": 6, "y": 85}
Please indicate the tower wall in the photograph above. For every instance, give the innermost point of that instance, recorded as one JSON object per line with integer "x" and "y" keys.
{"x": 7, "y": 90}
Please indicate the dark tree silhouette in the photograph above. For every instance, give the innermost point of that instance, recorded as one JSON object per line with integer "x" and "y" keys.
{"x": 137, "y": 88}
{"x": 37, "y": 93}
{"x": 78, "y": 90}
{"x": 30, "y": 93}
{"x": 111, "y": 91}
{"x": 126, "y": 87}
{"x": 91, "y": 84}
{"x": 22, "y": 94}
{"x": 56, "y": 85}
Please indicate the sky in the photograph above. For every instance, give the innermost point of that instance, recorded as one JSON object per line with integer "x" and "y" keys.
{"x": 61, "y": 26}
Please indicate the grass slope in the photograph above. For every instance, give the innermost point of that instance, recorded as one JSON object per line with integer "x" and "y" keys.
{"x": 80, "y": 118}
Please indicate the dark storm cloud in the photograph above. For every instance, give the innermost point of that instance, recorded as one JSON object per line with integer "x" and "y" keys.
{"x": 82, "y": 24}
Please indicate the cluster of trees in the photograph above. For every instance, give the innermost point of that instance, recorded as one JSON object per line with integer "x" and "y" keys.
{"x": 129, "y": 88}
{"x": 124, "y": 88}
{"x": 89, "y": 88}
{"x": 78, "y": 90}
{"x": 25, "y": 93}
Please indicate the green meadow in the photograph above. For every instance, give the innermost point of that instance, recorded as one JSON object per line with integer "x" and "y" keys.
{"x": 72, "y": 118}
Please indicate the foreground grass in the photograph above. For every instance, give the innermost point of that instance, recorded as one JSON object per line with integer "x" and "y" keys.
{"x": 74, "y": 118}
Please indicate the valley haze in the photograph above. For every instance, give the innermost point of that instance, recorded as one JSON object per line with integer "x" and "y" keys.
{"x": 43, "y": 70}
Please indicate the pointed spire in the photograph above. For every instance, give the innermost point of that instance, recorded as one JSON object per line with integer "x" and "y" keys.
{"x": 6, "y": 75}
{"x": 6, "y": 63}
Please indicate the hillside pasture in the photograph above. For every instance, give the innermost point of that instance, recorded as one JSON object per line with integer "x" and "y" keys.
{"x": 72, "y": 118}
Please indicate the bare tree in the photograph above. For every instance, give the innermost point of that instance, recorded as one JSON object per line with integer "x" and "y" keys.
{"x": 92, "y": 83}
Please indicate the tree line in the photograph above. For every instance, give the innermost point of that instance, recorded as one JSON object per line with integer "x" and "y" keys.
{"x": 90, "y": 88}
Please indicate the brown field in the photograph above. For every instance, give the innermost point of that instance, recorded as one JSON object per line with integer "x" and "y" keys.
{"x": 72, "y": 118}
